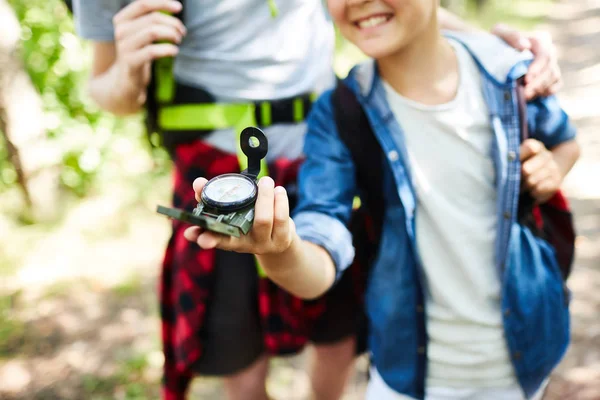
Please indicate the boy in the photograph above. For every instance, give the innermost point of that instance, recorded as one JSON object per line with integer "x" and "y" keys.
{"x": 494, "y": 320}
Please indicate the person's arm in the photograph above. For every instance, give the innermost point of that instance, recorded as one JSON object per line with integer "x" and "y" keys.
{"x": 121, "y": 63}
{"x": 550, "y": 153}
{"x": 302, "y": 268}
{"x": 304, "y": 255}
{"x": 544, "y": 170}
{"x": 543, "y": 77}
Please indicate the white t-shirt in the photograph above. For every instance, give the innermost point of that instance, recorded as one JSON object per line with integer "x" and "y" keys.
{"x": 449, "y": 149}
{"x": 237, "y": 51}
{"x": 378, "y": 390}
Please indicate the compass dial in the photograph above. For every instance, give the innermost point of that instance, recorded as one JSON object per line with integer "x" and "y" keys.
{"x": 229, "y": 192}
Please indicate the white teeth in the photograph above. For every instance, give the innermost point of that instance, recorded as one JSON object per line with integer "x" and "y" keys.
{"x": 373, "y": 21}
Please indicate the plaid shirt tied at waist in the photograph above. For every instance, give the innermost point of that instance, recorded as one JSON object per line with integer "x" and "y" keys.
{"x": 187, "y": 277}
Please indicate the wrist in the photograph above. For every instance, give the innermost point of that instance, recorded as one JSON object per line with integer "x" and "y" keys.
{"x": 276, "y": 263}
{"x": 115, "y": 91}
{"x": 128, "y": 87}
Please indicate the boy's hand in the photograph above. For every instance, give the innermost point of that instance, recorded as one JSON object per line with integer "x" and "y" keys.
{"x": 272, "y": 231}
{"x": 543, "y": 77}
{"x": 138, "y": 28}
{"x": 540, "y": 174}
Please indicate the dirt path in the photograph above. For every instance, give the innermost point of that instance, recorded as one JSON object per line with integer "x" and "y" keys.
{"x": 575, "y": 25}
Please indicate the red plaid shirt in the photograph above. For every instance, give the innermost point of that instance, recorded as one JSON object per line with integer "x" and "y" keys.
{"x": 187, "y": 278}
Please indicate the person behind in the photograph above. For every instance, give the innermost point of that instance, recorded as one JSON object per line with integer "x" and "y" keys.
{"x": 234, "y": 51}
{"x": 443, "y": 109}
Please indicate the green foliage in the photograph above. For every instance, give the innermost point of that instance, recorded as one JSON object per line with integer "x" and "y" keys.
{"x": 11, "y": 329}
{"x": 57, "y": 61}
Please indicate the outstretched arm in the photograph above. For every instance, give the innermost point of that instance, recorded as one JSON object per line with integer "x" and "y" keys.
{"x": 302, "y": 268}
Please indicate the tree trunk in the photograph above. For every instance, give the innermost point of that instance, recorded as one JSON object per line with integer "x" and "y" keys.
{"x": 21, "y": 123}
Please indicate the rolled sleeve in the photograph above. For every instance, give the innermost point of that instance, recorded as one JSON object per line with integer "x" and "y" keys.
{"x": 329, "y": 233}
{"x": 548, "y": 122}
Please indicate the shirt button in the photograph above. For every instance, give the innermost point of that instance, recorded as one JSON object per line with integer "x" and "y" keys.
{"x": 507, "y": 312}
{"x": 507, "y": 95}
{"x": 421, "y": 350}
{"x": 393, "y": 155}
{"x": 517, "y": 355}
{"x": 512, "y": 156}
{"x": 506, "y": 215}
{"x": 420, "y": 308}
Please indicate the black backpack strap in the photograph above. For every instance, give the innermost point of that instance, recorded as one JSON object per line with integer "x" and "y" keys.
{"x": 356, "y": 133}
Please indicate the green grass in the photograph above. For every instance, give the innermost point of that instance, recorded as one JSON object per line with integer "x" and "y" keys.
{"x": 12, "y": 330}
{"x": 130, "y": 287}
{"x": 128, "y": 381}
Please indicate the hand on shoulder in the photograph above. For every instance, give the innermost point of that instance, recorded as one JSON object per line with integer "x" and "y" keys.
{"x": 543, "y": 77}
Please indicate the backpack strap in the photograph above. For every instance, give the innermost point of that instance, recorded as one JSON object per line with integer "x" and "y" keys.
{"x": 355, "y": 131}
{"x": 522, "y": 104}
{"x": 553, "y": 220}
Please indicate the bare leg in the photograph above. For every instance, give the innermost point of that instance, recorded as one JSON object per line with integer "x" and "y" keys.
{"x": 249, "y": 383}
{"x": 330, "y": 368}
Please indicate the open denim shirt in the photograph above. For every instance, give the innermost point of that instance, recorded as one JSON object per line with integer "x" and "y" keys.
{"x": 534, "y": 305}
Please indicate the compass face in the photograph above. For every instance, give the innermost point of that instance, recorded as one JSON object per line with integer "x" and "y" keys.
{"x": 229, "y": 192}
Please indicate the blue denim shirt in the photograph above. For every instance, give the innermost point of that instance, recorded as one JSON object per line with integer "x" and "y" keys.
{"x": 534, "y": 307}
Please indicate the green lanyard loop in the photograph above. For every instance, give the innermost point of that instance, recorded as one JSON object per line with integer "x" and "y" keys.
{"x": 273, "y": 8}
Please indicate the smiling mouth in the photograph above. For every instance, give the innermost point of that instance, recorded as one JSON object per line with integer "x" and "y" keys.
{"x": 373, "y": 21}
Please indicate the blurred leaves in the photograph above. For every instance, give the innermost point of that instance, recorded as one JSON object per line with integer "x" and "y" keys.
{"x": 57, "y": 61}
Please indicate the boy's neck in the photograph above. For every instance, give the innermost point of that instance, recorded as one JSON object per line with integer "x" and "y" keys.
{"x": 425, "y": 71}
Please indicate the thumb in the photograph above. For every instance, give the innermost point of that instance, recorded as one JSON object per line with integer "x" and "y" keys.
{"x": 198, "y": 185}
{"x": 512, "y": 37}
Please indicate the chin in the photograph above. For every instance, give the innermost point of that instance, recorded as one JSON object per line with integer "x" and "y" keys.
{"x": 378, "y": 51}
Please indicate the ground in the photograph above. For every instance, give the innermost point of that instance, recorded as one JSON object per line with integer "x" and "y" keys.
{"x": 79, "y": 320}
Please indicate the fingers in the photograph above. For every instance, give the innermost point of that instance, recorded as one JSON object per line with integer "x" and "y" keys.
{"x": 548, "y": 82}
{"x": 139, "y": 58}
{"x": 544, "y": 191}
{"x": 155, "y": 26}
{"x": 148, "y": 36}
{"x": 210, "y": 240}
{"x": 512, "y": 37}
{"x": 263, "y": 211}
{"x": 206, "y": 239}
{"x": 272, "y": 229}
{"x": 543, "y": 76}
{"x": 141, "y": 7}
{"x": 198, "y": 185}
{"x": 537, "y": 162}
{"x": 281, "y": 234}
{"x": 541, "y": 60}
{"x": 529, "y": 148}
{"x": 191, "y": 233}
{"x": 540, "y": 175}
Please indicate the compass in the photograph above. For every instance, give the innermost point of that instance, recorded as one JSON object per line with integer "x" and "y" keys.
{"x": 227, "y": 201}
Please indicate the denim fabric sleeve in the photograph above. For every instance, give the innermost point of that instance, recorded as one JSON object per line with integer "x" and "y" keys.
{"x": 326, "y": 187}
{"x": 548, "y": 123}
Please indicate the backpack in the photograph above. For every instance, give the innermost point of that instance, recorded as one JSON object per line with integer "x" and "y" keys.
{"x": 552, "y": 221}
